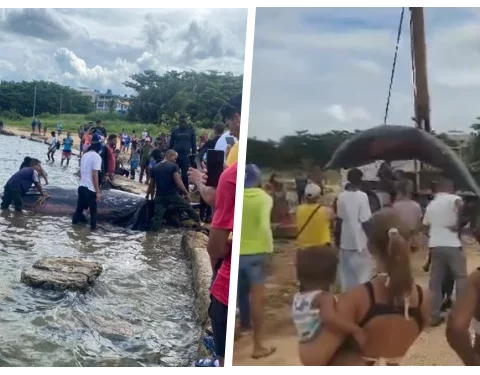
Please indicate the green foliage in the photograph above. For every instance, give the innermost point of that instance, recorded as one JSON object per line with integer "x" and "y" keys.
{"x": 18, "y": 97}
{"x": 161, "y": 99}
{"x": 157, "y": 105}
{"x": 304, "y": 150}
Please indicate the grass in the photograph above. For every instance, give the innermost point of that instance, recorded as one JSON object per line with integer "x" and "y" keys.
{"x": 113, "y": 123}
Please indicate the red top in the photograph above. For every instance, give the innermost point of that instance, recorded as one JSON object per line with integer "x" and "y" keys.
{"x": 223, "y": 215}
{"x": 111, "y": 160}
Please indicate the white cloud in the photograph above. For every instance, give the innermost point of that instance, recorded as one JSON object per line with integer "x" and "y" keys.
{"x": 341, "y": 114}
{"x": 101, "y": 48}
{"x": 329, "y": 68}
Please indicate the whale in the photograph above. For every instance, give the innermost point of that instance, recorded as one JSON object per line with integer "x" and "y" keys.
{"x": 116, "y": 207}
{"x": 399, "y": 142}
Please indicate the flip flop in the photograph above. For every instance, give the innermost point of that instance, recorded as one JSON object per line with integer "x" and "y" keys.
{"x": 265, "y": 354}
{"x": 207, "y": 362}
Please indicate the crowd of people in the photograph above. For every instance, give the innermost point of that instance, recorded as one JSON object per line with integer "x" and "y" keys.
{"x": 380, "y": 310}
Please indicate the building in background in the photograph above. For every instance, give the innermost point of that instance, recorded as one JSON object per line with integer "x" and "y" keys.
{"x": 112, "y": 103}
{"x": 92, "y": 94}
{"x": 106, "y": 101}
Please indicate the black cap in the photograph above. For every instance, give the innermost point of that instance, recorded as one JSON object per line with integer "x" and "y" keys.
{"x": 234, "y": 105}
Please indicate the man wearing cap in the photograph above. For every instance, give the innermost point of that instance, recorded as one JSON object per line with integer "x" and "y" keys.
{"x": 184, "y": 141}
{"x": 231, "y": 114}
{"x": 233, "y": 106}
{"x": 256, "y": 245}
{"x": 314, "y": 221}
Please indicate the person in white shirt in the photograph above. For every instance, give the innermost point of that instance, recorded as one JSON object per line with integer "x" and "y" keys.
{"x": 222, "y": 144}
{"x": 52, "y": 148}
{"x": 442, "y": 218}
{"x": 353, "y": 213}
{"x": 89, "y": 189}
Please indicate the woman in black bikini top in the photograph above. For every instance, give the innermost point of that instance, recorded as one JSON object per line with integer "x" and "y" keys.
{"x": 391, "y": 308}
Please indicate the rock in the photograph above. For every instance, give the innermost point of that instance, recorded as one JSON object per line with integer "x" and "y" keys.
{"x": 62, "y": 274}
{"x": 114, "y": 328}
{"x": 195, "y": 244}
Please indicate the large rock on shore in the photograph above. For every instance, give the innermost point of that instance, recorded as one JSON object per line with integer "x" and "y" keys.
{"x": 62, "y": 274}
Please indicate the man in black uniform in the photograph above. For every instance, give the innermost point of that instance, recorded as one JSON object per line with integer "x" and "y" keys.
{"x": 184, "y": 141}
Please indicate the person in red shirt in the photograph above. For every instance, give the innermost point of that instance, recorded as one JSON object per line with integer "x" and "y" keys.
{"x": 220, "y": 246}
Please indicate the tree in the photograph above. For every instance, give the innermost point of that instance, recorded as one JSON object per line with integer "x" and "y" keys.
{"x": 304, "y": 150}
{"x": 19, "y": 96}
{"x": 162, "y": 98}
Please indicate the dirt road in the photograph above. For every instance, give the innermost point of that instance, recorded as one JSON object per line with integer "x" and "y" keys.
{"x": 431, "y": 348}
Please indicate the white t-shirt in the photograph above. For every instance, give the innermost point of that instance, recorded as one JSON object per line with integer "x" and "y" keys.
{"x": 35, "y": 177}
{"x": 90, "y": 162}
{"x": 353, "y": 208}
{"x": 53, "y": 146}
{"x": 222, "y": 142}
{"x": 440, "y": 214}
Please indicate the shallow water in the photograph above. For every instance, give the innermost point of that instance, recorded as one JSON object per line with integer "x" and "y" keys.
{"x": 140, "y": 312}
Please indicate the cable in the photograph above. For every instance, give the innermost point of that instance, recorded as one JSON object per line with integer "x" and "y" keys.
{"x": 392, "y": 76}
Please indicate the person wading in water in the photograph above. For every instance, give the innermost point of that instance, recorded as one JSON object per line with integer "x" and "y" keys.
{"x": 89, "y": 189}
{"x": 165, "y": 184}
{"x": 20, "y": 183}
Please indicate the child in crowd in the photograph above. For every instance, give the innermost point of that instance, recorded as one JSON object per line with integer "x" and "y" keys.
{"x": 134, "y": 162}
{"x": 52, "y": 148}
{"x": 314, "y": 306}
{"x": 67, "y": 148}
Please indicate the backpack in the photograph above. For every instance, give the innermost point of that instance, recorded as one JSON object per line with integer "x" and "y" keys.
{"x": 58, "y": 145}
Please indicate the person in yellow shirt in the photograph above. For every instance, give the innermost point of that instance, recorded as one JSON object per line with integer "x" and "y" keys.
{"x": 256, "y": 245}
{"x": 314, "y": 220}
{"x": 232, "y": 154}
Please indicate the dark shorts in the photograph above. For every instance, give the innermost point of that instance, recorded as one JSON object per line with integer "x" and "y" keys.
{"x": 219, "y": 316}
{"x": 122, "y": 143}
{"x": 66, "y": 154}
{"x": 253, "y": 268}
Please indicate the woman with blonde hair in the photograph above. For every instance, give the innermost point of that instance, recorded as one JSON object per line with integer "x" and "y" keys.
{"x": 391, "y": 308}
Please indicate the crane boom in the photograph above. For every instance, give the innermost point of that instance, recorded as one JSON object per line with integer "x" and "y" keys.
{"x": 419, "y": 64}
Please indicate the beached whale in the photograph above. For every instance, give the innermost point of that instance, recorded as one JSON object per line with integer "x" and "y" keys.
{"x": 115, "y": 206}
{"x": 395, "y": 142}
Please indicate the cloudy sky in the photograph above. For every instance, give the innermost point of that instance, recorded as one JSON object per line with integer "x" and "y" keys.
{"x": 322, "y": 69}
{"x": 101, "y": 48}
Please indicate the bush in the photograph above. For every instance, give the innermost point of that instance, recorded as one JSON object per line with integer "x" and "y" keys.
{"x": 11, "y": 115}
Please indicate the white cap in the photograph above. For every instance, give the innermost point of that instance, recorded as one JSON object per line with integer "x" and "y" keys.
{"x": 312, "y": 190}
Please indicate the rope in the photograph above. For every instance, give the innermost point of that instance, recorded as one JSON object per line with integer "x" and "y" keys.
{"x": 399, "y": 34}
